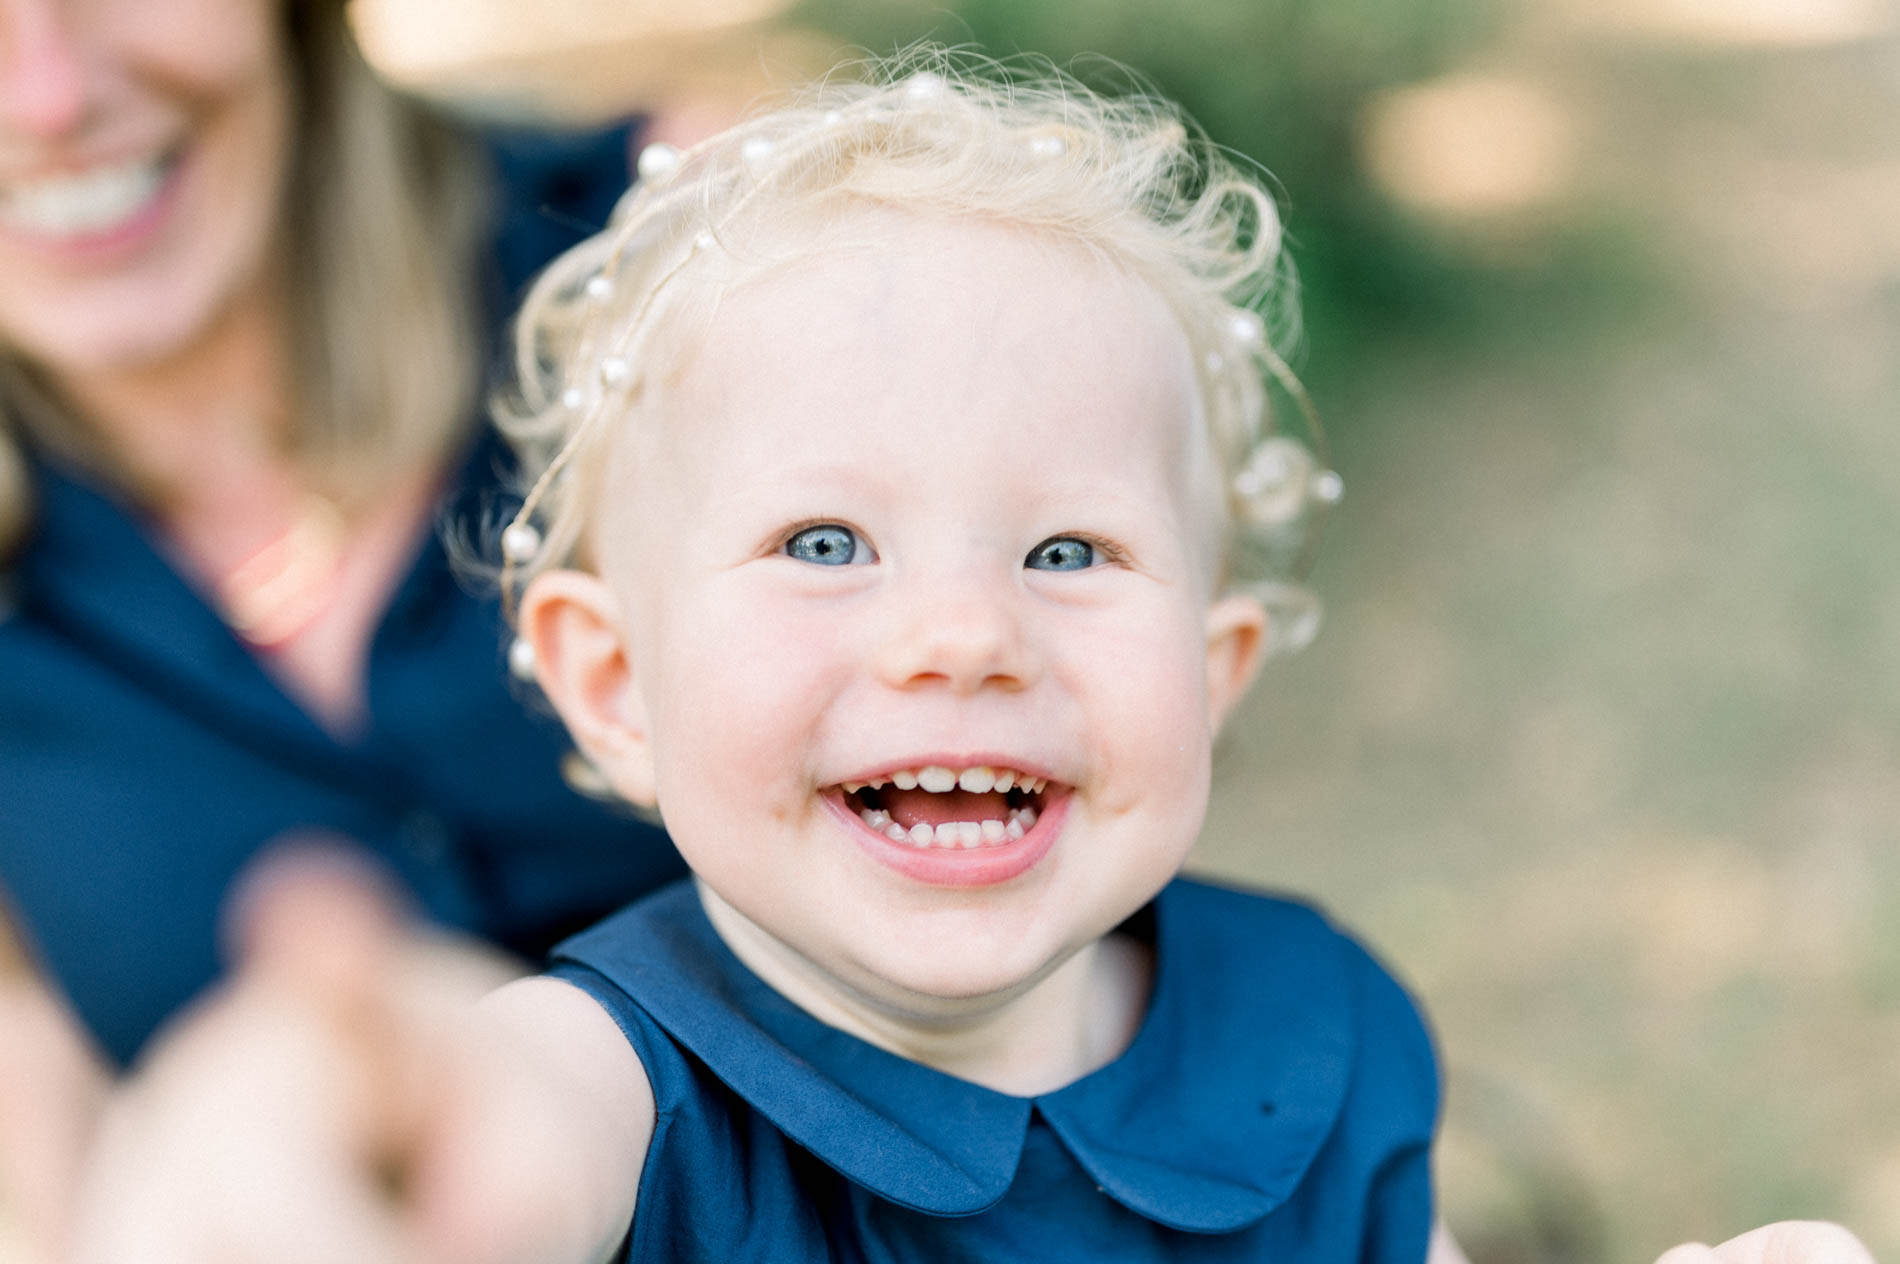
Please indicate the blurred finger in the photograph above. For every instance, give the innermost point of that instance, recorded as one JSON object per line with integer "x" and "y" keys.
{"x": 316, "y": 927}
{"x": 1688, "y": 1253}
{"x": 317, "y": 911}
{"x": 240, "y": 1138}
{"x": 1794, "y": 1242}
{"x": 287, "y": 1117}
{"x": 53, "y": 1086}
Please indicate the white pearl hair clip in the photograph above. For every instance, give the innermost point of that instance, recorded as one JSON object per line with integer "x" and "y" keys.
{"x": 756, "y": 151}
{"x": 1280, "y": 480}
{"x": 1247, "y": 327}
{"x": 520, "y": 542}
{"x": 925, "y": 85}
{"x": 656, "y": 162}
{"x": 1269, "y": 470}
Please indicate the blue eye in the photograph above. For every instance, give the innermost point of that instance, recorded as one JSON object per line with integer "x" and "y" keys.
{"x": 827, "y": 544}
{"x": 1062, "y": 553}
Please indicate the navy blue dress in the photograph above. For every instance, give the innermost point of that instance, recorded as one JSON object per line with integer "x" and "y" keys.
{"x": 146, "y": 756}
{"x": 1277, "y": 1104}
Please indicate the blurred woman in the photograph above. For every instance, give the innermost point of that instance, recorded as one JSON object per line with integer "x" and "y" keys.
{"x": 242, "y": 337}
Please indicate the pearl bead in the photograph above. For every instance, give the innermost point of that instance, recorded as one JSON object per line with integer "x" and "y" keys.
{"x": 583, "y": 778}
{"x": 521, "y": 659}
{"x": 1327, "y": 487}
{"x": 598, "y": 287}
{"x": 756, "y": 149}
{"x": 1268, "y": 471}
{"x": 573, "y": 397}
{"x": 1247, "y": 327}
{"x": 615, "y": 370}
{"x": 925, "y": 85}
{"x": 520, "y": 542}
{"x": 657, "y": 161}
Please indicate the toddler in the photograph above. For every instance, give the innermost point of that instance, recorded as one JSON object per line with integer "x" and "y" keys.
{"x": 901, "y": 543}
{"x": 905, "y": 519}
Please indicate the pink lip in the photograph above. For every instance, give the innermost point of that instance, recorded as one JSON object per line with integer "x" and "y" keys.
{"x": 960, "y": 867}
{"x": 121, "y": 240}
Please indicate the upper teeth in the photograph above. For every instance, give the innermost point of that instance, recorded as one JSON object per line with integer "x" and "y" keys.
{"x": 82, "y": 202}
{"x": 940, "y": 780}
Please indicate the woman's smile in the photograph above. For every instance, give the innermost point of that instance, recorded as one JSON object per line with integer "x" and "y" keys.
{"x": 90, "y": 210}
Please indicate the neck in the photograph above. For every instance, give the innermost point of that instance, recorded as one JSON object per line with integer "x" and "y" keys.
{"x": 217, "y": 409}
{"x": 1073, "y": 1018}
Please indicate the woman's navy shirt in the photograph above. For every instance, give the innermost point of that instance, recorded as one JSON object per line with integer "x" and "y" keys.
{"x": 145, "y": 755}
{"x": 1277, "y": 1104}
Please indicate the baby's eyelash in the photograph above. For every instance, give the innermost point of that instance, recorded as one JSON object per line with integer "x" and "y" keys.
{"x": 1105, "y": 548}
{"x": 784, "y": 534}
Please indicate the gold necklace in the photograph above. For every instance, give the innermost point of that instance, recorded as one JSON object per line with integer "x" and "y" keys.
{"x": 279, "y": 590}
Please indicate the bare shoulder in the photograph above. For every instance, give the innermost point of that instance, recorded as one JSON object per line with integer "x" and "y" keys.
{"x": 570, "y": 1101}
{"x": 578, "y": 1053}
{"x": 565, "y": 1030}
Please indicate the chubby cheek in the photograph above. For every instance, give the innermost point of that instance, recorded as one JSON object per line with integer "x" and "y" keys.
{"x": 204, "y": 47}
{"x": 1150, "y": 738}
{"x": 742, "y": 701}
{"x": 244, "y": 85}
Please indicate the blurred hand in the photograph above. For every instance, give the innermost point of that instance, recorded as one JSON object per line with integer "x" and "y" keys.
{"x": 53, "y": 1086}
{"x": 308, "y": 1110}
{"x": 1785, "y": 1242}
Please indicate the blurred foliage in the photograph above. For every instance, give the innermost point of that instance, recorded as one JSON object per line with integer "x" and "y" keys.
{"x": 1282, "y": 81}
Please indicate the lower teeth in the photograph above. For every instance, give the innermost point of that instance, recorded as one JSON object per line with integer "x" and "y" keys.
{"x": 952, "y": 835}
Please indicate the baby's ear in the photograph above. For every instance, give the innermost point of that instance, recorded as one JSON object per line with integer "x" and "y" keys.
{"x": 1236, "y": 636}
{"x": 581, "y": 662}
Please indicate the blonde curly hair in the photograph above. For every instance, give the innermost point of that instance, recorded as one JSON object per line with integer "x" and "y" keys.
{"x": 948, "y": 134}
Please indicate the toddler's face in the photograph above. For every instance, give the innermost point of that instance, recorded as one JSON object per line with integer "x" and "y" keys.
{"x": 932, "y": 505}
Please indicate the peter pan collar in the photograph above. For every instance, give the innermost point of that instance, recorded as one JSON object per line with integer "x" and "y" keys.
{"x": 1206, "y": 1123}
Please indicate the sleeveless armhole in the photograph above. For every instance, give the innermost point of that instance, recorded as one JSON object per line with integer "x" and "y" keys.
{"x": 669, "y": 1078}
{"x": 1401, "y": 1079}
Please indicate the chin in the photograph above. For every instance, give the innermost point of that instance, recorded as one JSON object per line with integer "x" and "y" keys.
{"x": 966, "y": 979}
{"x": 131, "y": 333}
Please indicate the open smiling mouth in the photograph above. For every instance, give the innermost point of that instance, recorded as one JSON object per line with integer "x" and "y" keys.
{"x": 949, "y": 808}
{"x": 75, "y": 205}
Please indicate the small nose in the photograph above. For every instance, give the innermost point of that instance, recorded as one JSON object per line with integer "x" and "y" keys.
{"x": 960, "y": 633}
{"x": 42, "y": 71}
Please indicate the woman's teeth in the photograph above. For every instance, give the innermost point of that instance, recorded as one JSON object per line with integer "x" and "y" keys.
{"x": 955, "y": 834}
{"x": 83, "y": 203}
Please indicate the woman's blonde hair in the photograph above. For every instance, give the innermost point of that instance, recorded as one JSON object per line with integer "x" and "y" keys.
{"x": 940, "y": 133}
{"x": 384, "y": 216}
